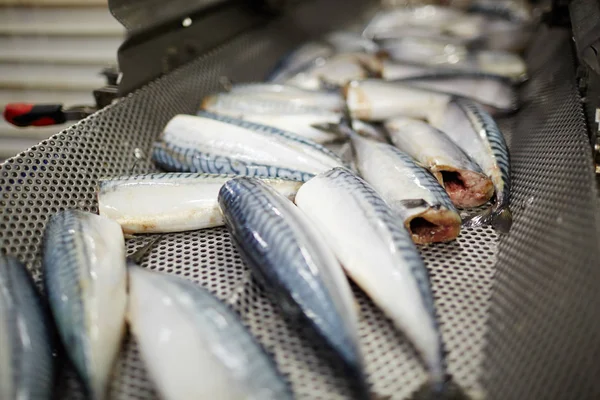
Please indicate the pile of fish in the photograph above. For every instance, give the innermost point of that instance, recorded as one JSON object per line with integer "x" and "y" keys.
{"x": 409, "y": 103}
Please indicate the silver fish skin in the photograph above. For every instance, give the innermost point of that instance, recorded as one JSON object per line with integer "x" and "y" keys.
{"x": 212, "y": 143}
{"x": 400, "y": 70}
{"x": 425, "y": 50}
{"x": 496, "y": 93}
{"x": 247, "y": 103}
{"x": 299, "y": 59}
{"x": 321, "y": 99}
{"x": 86, "y": 282}
{"x": 502, "y": 63}
{"x": 337, "y": 71}
{"x": 376, "y": 100}
{"x": 371, "y": 130}
{"x": 350, "y": 42}
{"x": 463, "y": 179}
{"x": 194, "y": 346}
{"x": 300, "y": 124}
{"x": 27, "y": 367}
{"x": 378, "y": 254}
{"x": 170, "y": 202}
{"x": 510, "y": 10}
{"x": 396, "y": 23}
{"x": 412, "y": 192}
{"x": 289, "y": 257}
{"x": 186, "y": 160}
{"x": 507, "y": 35}
{"x": 476, "y": 132}
{"x": 434, "y": 53}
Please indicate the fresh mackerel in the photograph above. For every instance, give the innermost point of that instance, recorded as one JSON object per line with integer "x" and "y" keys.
{"x": 411, "y": 191}
{"x": 378, "y": 254}
{"x": 290, "y": 258}
{"x": 376, "y": 100}
{"x": 431, "y": 148}
{"x": 213, "y": 143}
{"x": 476, "y": 132}
{"x": 26, "y": 336}
{"x": 496, "y": 93}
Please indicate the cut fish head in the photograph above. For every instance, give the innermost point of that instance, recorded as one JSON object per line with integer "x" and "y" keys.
{"x": 466, "y": 188}
{"x": 434, "y": 225}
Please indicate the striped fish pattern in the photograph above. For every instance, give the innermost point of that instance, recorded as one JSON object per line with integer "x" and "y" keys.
{"x": 269, "y": 130}
{"x": 179, "y": 159}
{"x": 441, "y": 198}
{"x": 269, "y": 98}
{"x": 215, "y": 341}
{"x": 289, "y": 257}
{"x": 86, "y": 279}
{"x": 26, "y": 338}
{"x": 411, "y": 191}
{"x": 377, "y": 252}
{"x": 487, "y": 129}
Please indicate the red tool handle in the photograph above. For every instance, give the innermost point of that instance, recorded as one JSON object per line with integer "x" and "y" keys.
{"x": 24, "y": 114}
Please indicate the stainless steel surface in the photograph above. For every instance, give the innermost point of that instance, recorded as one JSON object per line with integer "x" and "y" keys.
{"x": 539, "y": 340}
{"x": 543, "y": 329}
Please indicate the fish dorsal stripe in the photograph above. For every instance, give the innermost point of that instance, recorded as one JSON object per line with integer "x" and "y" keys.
{"x": 175, "y": 158}
{"x": 67, "y": 253}
{"x": 270, "y": 130}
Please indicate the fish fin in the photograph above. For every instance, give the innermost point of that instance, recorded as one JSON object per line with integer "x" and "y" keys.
{"x": 498, "y": 217}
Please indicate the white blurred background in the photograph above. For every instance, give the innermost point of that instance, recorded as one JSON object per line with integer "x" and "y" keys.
{"x": 52, "y": 51}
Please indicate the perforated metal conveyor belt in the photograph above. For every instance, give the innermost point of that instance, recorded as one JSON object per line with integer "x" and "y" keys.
{"x": 542, "y": 338}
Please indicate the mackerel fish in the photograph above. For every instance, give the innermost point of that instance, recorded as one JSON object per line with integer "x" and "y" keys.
{"x": 211, "y": 143}
{"x": 379, "y": 255}
{"x": 27, "y": 367}
{"x": 291, "y": 260}
{"x": 194, "y": 346}
{"x": 86, "y": 283}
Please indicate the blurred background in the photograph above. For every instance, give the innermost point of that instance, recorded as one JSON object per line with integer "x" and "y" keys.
{"x": 52, "y": 51}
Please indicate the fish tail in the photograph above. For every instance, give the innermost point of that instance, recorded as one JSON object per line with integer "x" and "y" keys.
{"x": 498, "y": 216}
{"x": 502, "y": 220}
